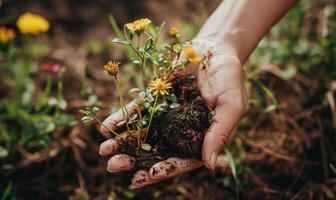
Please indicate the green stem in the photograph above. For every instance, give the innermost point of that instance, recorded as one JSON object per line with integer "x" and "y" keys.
{"x": 151, "y": 116}
{"x": 101, "y": 123}
{"x": 46, "y": 91}
{"x": 123, "y": 105}
{"x": 59, "y": 92}
{"x": 136, "y": 51}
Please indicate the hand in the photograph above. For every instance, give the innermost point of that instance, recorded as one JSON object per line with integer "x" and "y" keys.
{"x": 221, "y": 85}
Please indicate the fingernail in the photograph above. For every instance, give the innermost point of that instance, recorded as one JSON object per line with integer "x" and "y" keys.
{"x": 213, "y": 160}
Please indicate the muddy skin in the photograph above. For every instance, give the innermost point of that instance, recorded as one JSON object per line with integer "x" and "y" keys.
{"x": 176, "y": 133}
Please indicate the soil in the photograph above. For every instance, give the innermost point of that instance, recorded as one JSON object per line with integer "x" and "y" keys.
{"x": 179, "y": 132}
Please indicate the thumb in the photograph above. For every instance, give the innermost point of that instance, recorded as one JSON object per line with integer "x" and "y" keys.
{"x": 229, "y": 108}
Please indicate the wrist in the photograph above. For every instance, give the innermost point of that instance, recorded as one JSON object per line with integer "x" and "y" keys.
{"x": 219, "y": 46}
{"x": 229, "y": 41}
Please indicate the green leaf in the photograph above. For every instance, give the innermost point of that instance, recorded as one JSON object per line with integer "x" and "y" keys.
{"x": 85, "y": 112}
{"x": 86, "y": 119}
{"x": 5, "y": 195}
{"x": 95, "y": 110}
{"x": 91, "y": 100}
{"x": 146, "y": 146}
{"x": 50, "y": 127}
{"x": 332, "y": 167}
{"x": 121, "y": 41}
{"x": 173, "y": 98}
{"x": 136, "y": 62}
{"x": 115, "y": 26}
{"x": 174, "y": 105}
{"x": 62, "y": 104}
{"x": 230, "y": 160}
{"x": 129, "y": 194}
{"x": 131, "y": 34}
{"x": 3, "y": 152}
{"x": 133, "y": 90}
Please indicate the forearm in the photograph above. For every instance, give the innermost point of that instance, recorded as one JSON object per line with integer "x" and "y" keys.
{"x": 241, "y": 24}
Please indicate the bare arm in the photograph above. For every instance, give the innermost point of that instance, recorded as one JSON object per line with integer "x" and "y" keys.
{"x": 243, "y": 23}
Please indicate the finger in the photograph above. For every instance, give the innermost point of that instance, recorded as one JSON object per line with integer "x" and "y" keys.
{"x": 227, "y": 114}
{"x": 120, "y": 162}
{"x": 172, "y": 167}
{"x": 141, "y": 179}
{"x": 108, "y": 147}
{"x": 113, "y": 120}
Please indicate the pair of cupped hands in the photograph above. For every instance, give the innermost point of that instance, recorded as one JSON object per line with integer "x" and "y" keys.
{"x": 222, "y": 87}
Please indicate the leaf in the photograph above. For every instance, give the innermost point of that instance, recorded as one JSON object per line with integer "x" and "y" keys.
{"x": 91, "y": 100}
{"x": 133, "y": 90}
{"x": 231, "y": 162}
{"x": 136, "y": 62}
{"x": 3, "y": 152}
{"x": 129, "y": 194}
{"x": 115, "y": 26}
{"x": 146, "y": 146}
{"x": 131, "y": 34}
{"x": 95, "y": 110}
{"x": 173, "y": 98}
{"x": 121, "y": 41}
{"x": 62, "y": 104}
{"x": 50, "y": 127}
{"x": 332, "y": 167}
{"x": 174, "y": 105}
{"x": 149, "y": 45}
{"x": 85, "y": 112}
{"x": 181, "y": 190}
{"x": 86, "y": 119}
{"x": 5, "y": 195}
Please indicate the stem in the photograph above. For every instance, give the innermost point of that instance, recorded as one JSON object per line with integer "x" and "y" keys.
{"x": 123, "y": 105}
{"x": 101, "y": 123}
{"x": 46, "y": 92}
{"x": 59, "y": 92}
{"x": 136, "y": 51}
{"x": 139, "y": 40}
{"x": 151, "y": 117}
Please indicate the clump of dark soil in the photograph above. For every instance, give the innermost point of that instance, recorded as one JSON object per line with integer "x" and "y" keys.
{"x": 178, "y": 132}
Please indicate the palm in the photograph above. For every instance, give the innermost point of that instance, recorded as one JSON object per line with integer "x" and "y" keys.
{"x": 220, "y": 82}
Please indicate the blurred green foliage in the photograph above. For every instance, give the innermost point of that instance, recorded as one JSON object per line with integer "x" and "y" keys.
{"x": 30, "y": 110}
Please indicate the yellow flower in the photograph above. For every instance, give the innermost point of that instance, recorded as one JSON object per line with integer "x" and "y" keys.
{"x": 138, "y": 25}
{"x": 6, "y": 34}
{"x": 191, "y": 54}
{"x": 160, "y": 86}
{"x": 112, "y": 68}
{"x": 29, "y": 23}
{"x": 174, "y": 32}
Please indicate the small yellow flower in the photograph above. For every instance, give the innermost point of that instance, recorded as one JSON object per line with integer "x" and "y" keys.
{"x": 160, "y": 86}
{"x": 191, "y": 54}
{"x": 174, "y": 32}
{"x": 139, "y": 25}
{"x": 112, "y": 68}
{"x": 6, "y": 34}
{"x": 29, "y": 23}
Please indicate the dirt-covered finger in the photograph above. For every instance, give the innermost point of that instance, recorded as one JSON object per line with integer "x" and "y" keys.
{"x": 120, "y": 162}
{"x": 141, "y": 178}
{"x": 113, "y": 121}
{"x": 172, "y": 167}
{"x": 108, "y": 147}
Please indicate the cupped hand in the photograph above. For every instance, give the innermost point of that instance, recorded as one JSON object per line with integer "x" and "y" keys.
{"x": 220, "y": 81}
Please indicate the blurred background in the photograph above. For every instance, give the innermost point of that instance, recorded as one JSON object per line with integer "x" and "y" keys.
{"x": 286, "y": 143}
